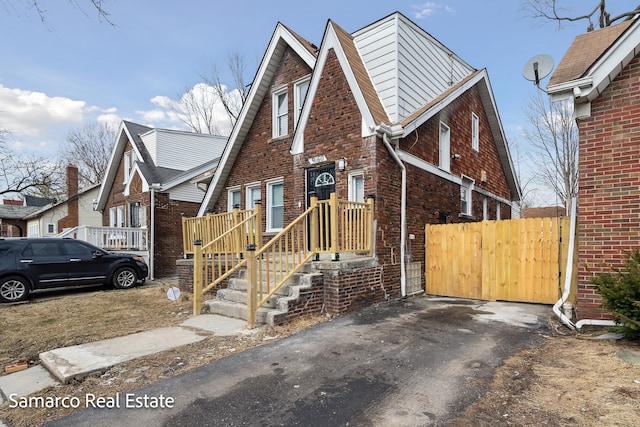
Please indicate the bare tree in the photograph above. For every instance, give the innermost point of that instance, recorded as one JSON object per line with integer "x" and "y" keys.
{"x": 89, "y": 148}
{"x": 556, "y": 10}
{"x": 203, "y": 108}
{"x": 553, "y": 137}
{"x": 11, "y": 6}
{"x": 27, "y": 175}
{"x": 232, "y": 101}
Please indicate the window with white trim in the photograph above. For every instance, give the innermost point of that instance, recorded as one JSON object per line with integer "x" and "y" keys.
{"x": 445, "y": 147}
{"x": 475, "y": 132}
{"x": 275, "y": 205}
{"x": 497, "y": 210}
{"x": 253, "y": 193}
{"x": 356, "y": 186}
{"x": 485, "y": 209}
{"x": 300, "y": 89}
{"x": 51, "y": 228}
{"x": 134, "y": 214}
{"x": 129, "y": 159}
{"x": 280, "y": 113}
{"x": 466, "y": 191}
{"x": 233, "y": 198}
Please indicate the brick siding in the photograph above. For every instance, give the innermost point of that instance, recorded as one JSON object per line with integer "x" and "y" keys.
{"x": 608, "y": 211}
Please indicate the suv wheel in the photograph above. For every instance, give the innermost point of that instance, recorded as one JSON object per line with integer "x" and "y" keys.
{"x": 124, "y": 277}
{"x": 13, "y": 289}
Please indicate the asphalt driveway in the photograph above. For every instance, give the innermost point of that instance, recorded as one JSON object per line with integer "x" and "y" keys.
{"x": 413, "y": 362}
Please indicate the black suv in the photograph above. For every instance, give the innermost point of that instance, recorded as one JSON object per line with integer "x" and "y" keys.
{"x": 28, "y": 264}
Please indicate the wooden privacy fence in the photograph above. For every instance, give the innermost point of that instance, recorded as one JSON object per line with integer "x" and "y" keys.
{"x": 512, "y": 260}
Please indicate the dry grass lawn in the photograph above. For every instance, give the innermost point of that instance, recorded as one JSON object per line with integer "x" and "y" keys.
{"x": 568, "y": 381}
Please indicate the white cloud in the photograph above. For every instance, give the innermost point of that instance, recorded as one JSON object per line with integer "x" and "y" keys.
{"x": 429, "y": 8}
{"x": 33, "y": 114}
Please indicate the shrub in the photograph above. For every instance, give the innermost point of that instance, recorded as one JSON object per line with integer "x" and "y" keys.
{"x": 620, "y": 291}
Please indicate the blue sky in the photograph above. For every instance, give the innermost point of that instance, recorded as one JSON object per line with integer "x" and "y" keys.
{"x": 72, "y": 69}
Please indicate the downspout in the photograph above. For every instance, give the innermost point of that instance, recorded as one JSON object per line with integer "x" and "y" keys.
{"x": 568, "y": 270}
{"x": 152, "y": 245}
{"x": 386, "y": 131}
{"x": 567, "y": 280}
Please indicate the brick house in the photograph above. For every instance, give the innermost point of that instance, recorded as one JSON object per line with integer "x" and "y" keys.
{"x": 151, "y": 181}
{"x": 600, "y": 73}
{"x": 386, "y": 111}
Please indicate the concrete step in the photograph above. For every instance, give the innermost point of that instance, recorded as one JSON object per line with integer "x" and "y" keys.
{"x": 237, "y": 310}
{"x": 240, "y": 297}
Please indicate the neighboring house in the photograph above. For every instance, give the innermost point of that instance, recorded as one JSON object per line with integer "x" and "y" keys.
{"x": 386, "y": 111}
{"x": 152, "y": 180}
{"x": 600, "y": 72}
{"x": 13, "y": 213}
{"x": 543, "y": 212}
{"x": 73, "y": 210}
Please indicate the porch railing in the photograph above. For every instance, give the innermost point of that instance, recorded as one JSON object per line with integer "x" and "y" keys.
{"x": 110, "y": 238}
{"x": 327, "y": 226}
{"x": 209, "y": 227}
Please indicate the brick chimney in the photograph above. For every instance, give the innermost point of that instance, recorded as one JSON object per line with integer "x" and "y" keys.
{"x": 72, "y": 180}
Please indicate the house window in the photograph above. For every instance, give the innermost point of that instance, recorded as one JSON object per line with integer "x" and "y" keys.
{"x": 129, "y": 159}
{"x": 280, "y": 113}
{"x": 466, "y": 190}
{"x": 275, "y": 205}
{"x": 134, "y": 214}
{"x": 253, "y": 193}
{"x": 233, "y": 198}
{"x": 51, "y": 228}
{"x": 475, "y": 129}
{"x": 356, "y": 186}
{"x": 445, "y": 147}
{"x": 497, "y": 210}
{"x": 116, "y": 216}
{"x": 485, "y": 210}
{"x": 300, "y": 92}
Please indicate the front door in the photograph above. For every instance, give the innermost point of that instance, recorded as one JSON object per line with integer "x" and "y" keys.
{"x": 321, "y": 182}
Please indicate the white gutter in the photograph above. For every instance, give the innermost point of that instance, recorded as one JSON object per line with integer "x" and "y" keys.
{"x": 568, "y": 270}
{"x": 396, "y": 132}
{"x": 567, "y": 280}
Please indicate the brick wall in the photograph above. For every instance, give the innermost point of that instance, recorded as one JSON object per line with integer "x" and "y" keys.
{"x": 609, "y": 194}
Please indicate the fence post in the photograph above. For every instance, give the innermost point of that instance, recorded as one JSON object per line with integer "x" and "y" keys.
{"x": 197, "y": 276}
{"x": 258, "y": 223}
{"x": 333, "y": 215}
{"x": 251, "y": 284}
{"x": 313, "y": 225}
{"x": 370, "y": 230}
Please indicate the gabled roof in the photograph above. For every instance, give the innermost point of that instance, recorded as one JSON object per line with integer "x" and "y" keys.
{"x": 281, "y": 38}
{"x": 593, "y": 60}
{"x": 144, "y": 166}
{"x": 62, "y": 201}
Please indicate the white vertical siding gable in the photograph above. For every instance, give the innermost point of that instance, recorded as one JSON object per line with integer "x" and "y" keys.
{"x": 182, "y": 150}
{"x": 407, "y": 66}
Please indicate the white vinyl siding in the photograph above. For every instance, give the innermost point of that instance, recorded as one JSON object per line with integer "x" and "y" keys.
{"x": 280, "y": 113}
{"x": 167, "y": 148}
{"x": 393, "y": 51}
{"x": 475, "y": 132}
{"x": 275, "y": 205}
{"x": 445, "y": 147}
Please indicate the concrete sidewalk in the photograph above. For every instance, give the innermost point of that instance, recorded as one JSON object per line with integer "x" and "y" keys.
{"x": 66, "y": 363}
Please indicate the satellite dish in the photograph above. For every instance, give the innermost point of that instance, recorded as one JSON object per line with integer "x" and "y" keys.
{"x": 537, "y": 68}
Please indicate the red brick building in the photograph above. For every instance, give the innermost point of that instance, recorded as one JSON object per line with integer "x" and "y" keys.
{"x": 601, "y": 74}
{"x": 386, "y": 111}
{"x": 151, "y": 182}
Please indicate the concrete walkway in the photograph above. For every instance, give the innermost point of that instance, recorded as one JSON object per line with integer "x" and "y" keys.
{"x": 66, "y": 363}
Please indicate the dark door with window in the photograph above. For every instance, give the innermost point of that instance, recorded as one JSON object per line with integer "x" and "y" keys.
{"x": 321, "y": 182}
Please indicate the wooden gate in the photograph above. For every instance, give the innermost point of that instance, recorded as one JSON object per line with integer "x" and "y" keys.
{"x": 511, "y": 260}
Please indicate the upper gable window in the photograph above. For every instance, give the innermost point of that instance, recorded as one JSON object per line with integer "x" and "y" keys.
{"x": 280, "y": 113}
{"x": 129, "y": 159}
{"x": 301, "y": 87}
{"x": 475, "y": 132}
{"x": 445, "y": 147}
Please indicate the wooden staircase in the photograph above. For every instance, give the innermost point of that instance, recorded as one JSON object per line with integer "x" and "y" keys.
{"x": 232, "y": 301}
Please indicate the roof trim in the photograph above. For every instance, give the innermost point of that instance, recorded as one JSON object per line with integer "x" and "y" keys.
{"x": 281, "y": 35}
